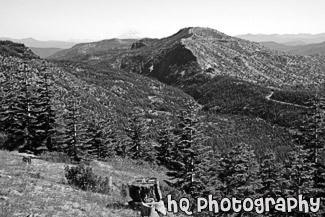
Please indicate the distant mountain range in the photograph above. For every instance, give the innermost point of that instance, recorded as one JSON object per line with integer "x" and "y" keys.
{"x": 43, "y": 49}
{"x": 31, "y": 42}
{"x": 299, "y": 44}
{"x": 307, "y": 49}
{"x": 288, "y": 39}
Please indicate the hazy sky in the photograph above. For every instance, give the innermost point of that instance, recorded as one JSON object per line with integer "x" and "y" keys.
{"x": 102, "y": 19}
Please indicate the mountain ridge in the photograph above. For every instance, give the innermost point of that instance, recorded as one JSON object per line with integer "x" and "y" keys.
{"x": 214, "y": 53}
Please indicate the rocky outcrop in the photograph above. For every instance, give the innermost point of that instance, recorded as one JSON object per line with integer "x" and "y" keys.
{"x": 196, "y": 53}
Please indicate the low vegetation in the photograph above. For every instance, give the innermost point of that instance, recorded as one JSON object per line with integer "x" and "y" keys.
{"x": 23, "y": 192}
{"x": 40, "y": 188}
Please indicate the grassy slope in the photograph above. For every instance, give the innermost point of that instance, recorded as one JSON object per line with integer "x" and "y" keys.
{"x": 40, "y": 188}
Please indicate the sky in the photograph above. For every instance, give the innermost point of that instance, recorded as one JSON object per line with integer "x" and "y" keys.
{"x": 103, "y": 19}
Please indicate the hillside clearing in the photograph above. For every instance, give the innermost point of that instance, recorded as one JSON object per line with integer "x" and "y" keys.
{"x": 40, "y": 189}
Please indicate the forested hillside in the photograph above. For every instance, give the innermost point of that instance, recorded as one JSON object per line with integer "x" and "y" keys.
{"x": 106, "y": 98}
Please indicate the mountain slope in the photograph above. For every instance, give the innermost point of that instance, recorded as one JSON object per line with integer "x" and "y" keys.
{"x": 200, "y": 54}
{"x": 104, "y": 93}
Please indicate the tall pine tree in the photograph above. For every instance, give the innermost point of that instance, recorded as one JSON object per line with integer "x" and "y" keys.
{"x": 100, "y": 139}
{"x": 138, "y": 146}
{"x": 45, "y": 112}
{"x": 309, "y": 151}
{"x": 166, "y": 141}
{"x": 73, "y": 143}
{"x": 26, "y": 113}
{"x": 238, "y": 173}
{"x": 9, "y": 89}
{"x": 186, "y": 156}
{"x": 271, "y": 175}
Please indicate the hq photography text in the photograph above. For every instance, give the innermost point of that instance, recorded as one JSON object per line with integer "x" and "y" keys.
{"x": 259, "y": 205}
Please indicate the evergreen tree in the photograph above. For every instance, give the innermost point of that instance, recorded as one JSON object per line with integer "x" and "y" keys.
{"x": 309, "y": 141}
{"x": 45, "y": 112}
{"x": 59, "y": 135}
{"x": 312, "y": 130}
{"x": 74, "y": 132}
{"x": 94, "y": 142}
{"x": 121, "y": 147}
{"x": 9, "y": 89}
{"x": 136, "y": 132}
{"x": 208, "y": 173}
{"x": 23, "y": 129}
{"x": 273, "y": 183}
{"x": 24, "y": 110}
{"x": 270, "y": 174}
{"x": 186, "y": 156}
{"x": 110, "y": 140}
{"x": 166, "y": 141}
{"x": 238, "y": 173}
{"x": 101, "y": 139}
{"x": 299, "y": 173}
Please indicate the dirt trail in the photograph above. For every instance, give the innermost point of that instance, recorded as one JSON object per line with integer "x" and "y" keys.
{"x": 268, "y": 97}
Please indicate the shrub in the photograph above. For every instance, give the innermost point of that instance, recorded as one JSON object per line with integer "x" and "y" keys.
{"x": 83, "y": 177}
